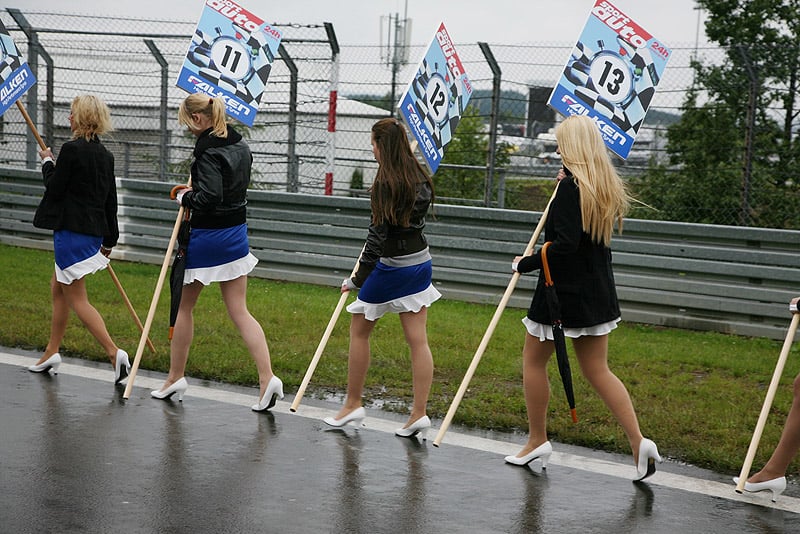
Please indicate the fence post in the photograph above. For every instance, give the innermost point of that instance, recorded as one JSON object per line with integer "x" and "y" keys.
{"x": 292, "y": 175}
{"x": 164, "y": 148}
{"x": 493, "y": 121}
{"x": 330, "y": 153}
{"x": 747, "y": 165}
{"x": 31, "y": 146}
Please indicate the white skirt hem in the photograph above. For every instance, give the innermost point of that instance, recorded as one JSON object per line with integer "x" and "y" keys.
{"x": 545, "y": 331}
{"x": 76, "y": 271}
{"x": 221, "y": 273}
{"x": 410, "y": 303}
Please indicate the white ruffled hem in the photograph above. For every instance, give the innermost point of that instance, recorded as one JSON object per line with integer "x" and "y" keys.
{"x": 221, "y": 273}
{"x": 411, "y": 303}
{"x": 76, "y": 271}
{"x": 545, "y": 331}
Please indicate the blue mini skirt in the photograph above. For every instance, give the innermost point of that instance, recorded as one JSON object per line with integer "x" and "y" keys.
{"x": 76, "y": 255}
{"x": 218, "y": 255}
{"x": 397, "y": 285}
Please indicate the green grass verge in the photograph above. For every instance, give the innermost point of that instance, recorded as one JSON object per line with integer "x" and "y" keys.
{"x": 697, "y": 394}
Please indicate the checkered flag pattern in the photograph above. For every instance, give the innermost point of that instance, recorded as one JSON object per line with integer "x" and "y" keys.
{"x": 629, "y": 114}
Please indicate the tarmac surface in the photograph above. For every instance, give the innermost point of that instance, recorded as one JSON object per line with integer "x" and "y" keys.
{"x": 77, "y": 457}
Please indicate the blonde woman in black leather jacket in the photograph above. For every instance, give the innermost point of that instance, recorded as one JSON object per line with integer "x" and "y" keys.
{"x": 218, "y": 249}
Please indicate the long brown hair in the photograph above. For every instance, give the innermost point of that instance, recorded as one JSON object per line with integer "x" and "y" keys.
{"x": 395, "y": 187}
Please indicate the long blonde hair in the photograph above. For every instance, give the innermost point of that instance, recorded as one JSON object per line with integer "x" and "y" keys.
{"x": 90, "y": 117}
{"x": 603, "y": 195}
{"x": 214, "y": 108}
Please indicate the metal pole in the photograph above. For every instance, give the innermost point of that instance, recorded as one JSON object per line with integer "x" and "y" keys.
{"x": 747, "y": 167}
{"x": 493, "y": 122}
{"x": 292, "y": 177}
{"x": 164, "y": 148}
{"x": 31, "y": 152}
{"x": 333, "y": 91}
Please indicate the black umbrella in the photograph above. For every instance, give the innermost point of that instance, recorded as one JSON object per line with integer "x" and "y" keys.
{"x": 178, "y": 267}
{"x": 558, "y": 333}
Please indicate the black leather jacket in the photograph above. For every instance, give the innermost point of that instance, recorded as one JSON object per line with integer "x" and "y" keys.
{"x": 220, "y": 176}
{"x": 386, "y": 240}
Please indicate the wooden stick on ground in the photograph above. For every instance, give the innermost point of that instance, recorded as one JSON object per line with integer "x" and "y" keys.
{"x": 153, "y": 304}
{"x": 490, "y": 330}
{"x": 773, "y": 387}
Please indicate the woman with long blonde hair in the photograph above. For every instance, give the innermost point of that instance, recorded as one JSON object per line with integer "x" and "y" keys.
{"x": 591, "y": 199}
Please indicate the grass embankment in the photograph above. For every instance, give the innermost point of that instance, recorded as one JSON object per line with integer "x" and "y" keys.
{"x": 697, "y": 394}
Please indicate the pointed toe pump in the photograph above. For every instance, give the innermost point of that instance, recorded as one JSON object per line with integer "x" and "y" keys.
{"x": 356, "y": 417}
{"x": 50, "y": 363}
{"x": 420, "y": 426}
{"x": 776, "y": 486}
{"x": 177, "y": 388}
{"x": 542, "y": 452}
{"x": 648, "y": 456}
{"x": 122, "y": 366}
{"x": 274, "y": 390}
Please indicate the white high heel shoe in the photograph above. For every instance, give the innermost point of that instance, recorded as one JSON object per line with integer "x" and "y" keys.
{"x": 177, "y": 388}
{"x": 648, "y": 456}
{"x": 420, "y": 426}
{"x": 542, "y": 452}
{"x": 122, "y": 366}
{"x": 356, "y": 417}
{"x": 776, "y": 486}
{"x": 50, "y": 363}
{"x": 267, "y": 401}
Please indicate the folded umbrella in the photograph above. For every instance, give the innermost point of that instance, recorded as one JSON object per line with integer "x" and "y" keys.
{"x": 554, "y": 307}
{"x": 178, "y": 266}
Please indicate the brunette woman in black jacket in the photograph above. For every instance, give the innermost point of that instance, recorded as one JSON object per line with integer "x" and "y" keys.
{"x": 218, "y": 250}
{"x": 393, "y": 274}
{"x": 80, "y": 206}
{"x": 590, "y": 199}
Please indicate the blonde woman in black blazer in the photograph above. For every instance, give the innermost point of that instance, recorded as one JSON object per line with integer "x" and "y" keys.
{"x": 590, "y": 199}
{"x": 80, "y": 206}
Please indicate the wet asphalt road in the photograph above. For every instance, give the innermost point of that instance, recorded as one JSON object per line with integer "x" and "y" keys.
{"x": 76, "y": 457}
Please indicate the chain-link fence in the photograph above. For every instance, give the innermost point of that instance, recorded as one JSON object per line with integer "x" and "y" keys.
{"x": 298, "y": 144}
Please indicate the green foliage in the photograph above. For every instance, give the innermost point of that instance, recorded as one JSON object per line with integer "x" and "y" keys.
{"x": 357, "y": 179}
{"x": 706, "y": 179}
{"x": 469, "y": 146}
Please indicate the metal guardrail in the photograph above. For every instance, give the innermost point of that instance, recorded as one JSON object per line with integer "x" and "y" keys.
{"x": 736, "y": 280}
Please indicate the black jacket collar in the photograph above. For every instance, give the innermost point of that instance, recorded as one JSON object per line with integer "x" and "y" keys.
{"x": 206, "y": 141}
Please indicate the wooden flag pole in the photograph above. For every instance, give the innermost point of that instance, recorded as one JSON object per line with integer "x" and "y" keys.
{"x": 490, "y": 330}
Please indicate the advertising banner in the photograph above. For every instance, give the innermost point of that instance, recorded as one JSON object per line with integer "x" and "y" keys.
{"x": 434, "y": 100}
{"x": 611, "y": 75}
{"x": 15, "y": 74}
{"x": 231, "y": 56}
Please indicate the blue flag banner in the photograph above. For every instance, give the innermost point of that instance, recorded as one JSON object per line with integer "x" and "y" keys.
{"x": 434, "y": 100}
{"x": 15, "y": 74}
{"x": 231, "y": 56}
{"x": 611, "y": 76}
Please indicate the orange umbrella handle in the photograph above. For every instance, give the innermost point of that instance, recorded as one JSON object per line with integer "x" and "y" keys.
{"x": 548, "y": 281}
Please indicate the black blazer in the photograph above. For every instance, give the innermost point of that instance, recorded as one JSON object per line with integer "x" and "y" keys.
{"x": 80, "y": 192}
{"x": 580, "y": 268}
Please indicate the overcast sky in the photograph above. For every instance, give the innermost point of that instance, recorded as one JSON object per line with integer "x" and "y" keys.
{"x": 674, "y": 22}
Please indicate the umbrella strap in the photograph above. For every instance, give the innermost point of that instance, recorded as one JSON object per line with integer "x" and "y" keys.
{"x": 548, "y": 281}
